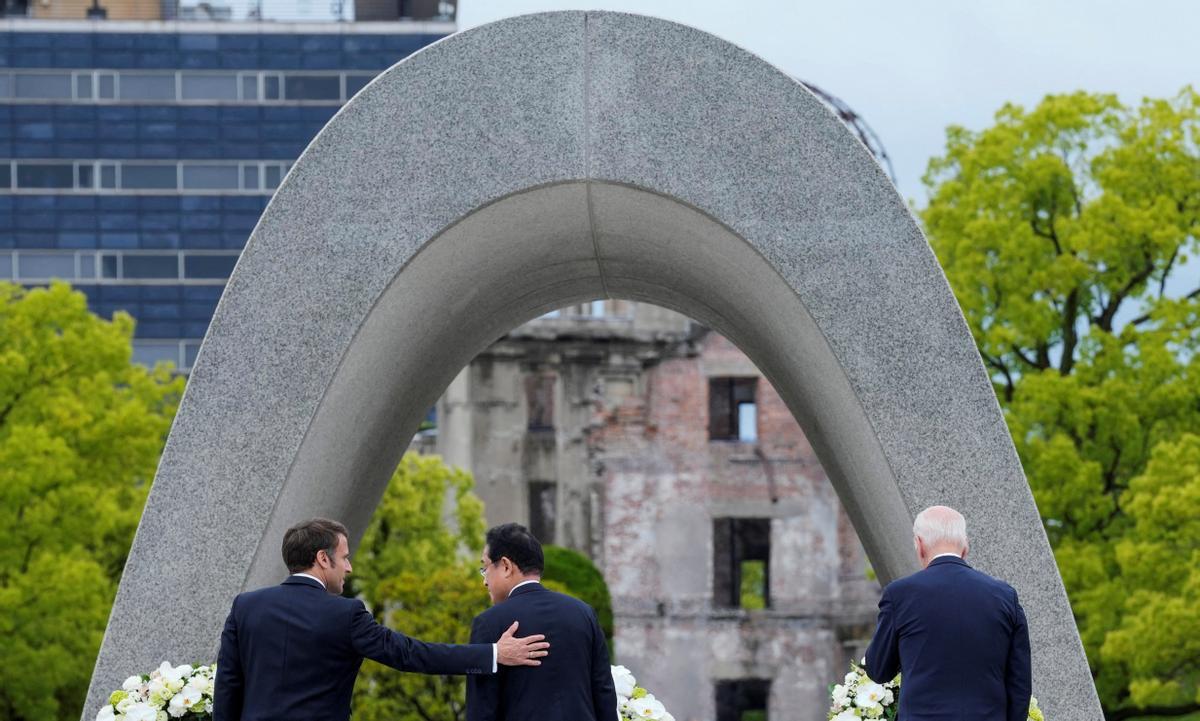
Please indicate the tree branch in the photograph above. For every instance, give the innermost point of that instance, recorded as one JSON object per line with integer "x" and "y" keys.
{"x": 1024, "y": 358}
{"x": 1070, "y": 336}
{"x": 1000, "y": 366}
{"x": 1146, "y": 317}
{"x": 1105, "y": 319}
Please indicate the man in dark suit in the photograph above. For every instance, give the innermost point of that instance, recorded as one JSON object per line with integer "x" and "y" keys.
{"x": 292, "y": 652}
{"x": 958, "y": 635}
{"x": 575, "y": 684}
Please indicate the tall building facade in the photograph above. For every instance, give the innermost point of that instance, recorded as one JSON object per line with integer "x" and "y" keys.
{"x": 136, "y": 157}
{"x": 653, "y": 445}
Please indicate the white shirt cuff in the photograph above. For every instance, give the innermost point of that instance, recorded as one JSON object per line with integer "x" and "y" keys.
{"x": 495, "y": 655}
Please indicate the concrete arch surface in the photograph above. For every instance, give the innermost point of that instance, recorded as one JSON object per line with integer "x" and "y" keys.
{"x": 536, "y": 162}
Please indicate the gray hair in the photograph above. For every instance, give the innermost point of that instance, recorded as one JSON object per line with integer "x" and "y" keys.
{"x": 939, "y": 525}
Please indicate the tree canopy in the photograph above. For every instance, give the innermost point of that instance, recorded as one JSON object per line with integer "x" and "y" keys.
{"x": 81, "y": 430}
{"x": 1069, "y": 233}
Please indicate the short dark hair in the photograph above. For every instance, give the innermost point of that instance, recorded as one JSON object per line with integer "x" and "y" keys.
{"x": 514, "y": 541}
{"x": 303, "y": 540}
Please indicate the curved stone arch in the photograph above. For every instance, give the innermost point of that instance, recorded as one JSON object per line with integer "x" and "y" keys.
{"x": 551, "y": 159}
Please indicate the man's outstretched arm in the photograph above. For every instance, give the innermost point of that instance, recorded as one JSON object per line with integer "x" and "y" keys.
{"x": 382, "y": 644}
{"x": 483, "y": 691}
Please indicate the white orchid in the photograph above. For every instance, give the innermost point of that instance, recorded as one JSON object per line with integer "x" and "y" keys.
{"x": 847, "y": 715}
{"x": 647, "y": 707}
{"x": 106, "y": 713}
{"x": 623, "y": 681}
{"x": 141, "y": 712}
{"x": 869, "y": 696}
{"x": 841, "y": 696}
{"x": 184, "y": 701}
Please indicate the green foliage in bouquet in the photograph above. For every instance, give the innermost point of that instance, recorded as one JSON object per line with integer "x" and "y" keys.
{"x": 573, "y": 573}
{"x": 81, "y": 430}
{"x": 418, "y": 575}
{"x": 1067, "y": 233}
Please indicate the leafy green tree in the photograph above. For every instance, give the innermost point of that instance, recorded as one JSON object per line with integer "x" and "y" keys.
{"x": 418, "y": 574}
{"x": 573, "y": 573}
{"x": 1065, "y": 232}
{"x": 81, "y": 430}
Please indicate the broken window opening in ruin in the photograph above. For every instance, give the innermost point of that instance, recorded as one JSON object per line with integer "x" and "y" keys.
{"x": 732, "y": 410}
{"x": 742, "y": 563}
{"x": 539, "y": 397}
{"x": 543, "y": 509}
{"x": 743, "y": 699}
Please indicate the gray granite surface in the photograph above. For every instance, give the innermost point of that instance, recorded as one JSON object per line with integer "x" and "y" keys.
{"x": 549, "y": 159}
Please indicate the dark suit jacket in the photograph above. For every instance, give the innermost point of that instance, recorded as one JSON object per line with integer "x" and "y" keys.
{"x": 574, "y": 682}
{"x": 292, "y": 652}
{"x": 961, "y": 640}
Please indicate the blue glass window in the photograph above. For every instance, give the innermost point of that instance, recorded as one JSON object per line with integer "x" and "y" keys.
{"x": 83, "y": 86}
{"x": 6, "y": 265}
{"x": 151, "y": 266}
{"x": 312, "y": 87}
{"x": 108, "y": 266}
{"x": 56, "y": 175}
{"x": 43, "y": 86}
{"x": 145, "y": 86}
{"x": 208, "y": 266}
{"x": 249, "y": 87}
{"x": 107, "y": 87}
{"x": 149, "y": 353}
{"x": 354, "y": 83}
{"x": 40, "y": 266}
{"x": 148, "y": 177}
{"x": 209, "y": 87}
{"x": 210, "y": 177}
{"x": 5, "y": 175}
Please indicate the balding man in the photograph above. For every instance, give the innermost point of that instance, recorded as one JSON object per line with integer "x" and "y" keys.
{"x": 958, "y": 635}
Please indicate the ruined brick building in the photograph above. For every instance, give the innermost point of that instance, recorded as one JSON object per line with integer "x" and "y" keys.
{"x": 653, "y": 445}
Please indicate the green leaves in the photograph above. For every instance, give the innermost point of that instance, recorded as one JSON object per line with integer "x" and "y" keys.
{"x": 1061, "y": 230}
{"x": 81, "y": 430}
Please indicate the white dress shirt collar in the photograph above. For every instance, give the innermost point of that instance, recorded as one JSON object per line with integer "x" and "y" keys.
{"x": 522, "y": 583}
{"x": 312, "y": 577}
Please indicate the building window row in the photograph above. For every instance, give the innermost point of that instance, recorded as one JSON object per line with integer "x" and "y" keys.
{"x": 127, "y": 267}
{"x": 180, "y": 353}
{"x": 91, "y": 176}
{"x": 175, "y": 86}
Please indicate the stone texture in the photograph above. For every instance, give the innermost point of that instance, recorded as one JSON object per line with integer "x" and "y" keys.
{"x": 551, "y": 159}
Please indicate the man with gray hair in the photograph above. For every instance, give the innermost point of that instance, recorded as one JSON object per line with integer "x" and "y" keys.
{"x": 958, "y": 635}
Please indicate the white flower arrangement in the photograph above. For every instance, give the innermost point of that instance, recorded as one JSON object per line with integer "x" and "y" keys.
{"x": 168, "y": 692}
{"x": 635, "y": 702}
{"x": 858, "y": 697}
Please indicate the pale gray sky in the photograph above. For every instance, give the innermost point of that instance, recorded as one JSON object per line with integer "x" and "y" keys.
{"x": 912, "y": 67}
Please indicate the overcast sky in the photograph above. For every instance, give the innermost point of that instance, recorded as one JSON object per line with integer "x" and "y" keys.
{"x": 912, "y": 67}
